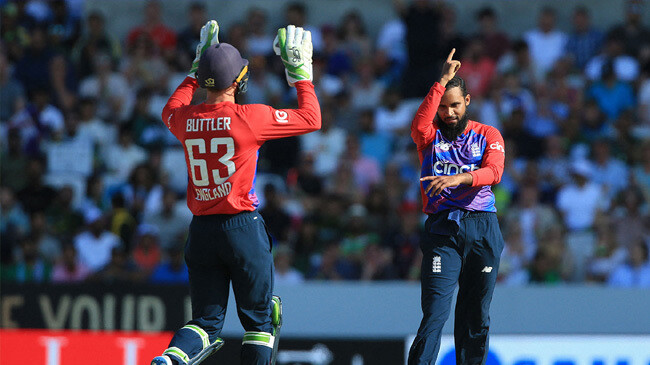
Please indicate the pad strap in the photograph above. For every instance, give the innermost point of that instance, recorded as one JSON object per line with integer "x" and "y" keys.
{"x": 175, "y": 351}
{"x": 258, "y": 338}
{"x": 199, "y": 331}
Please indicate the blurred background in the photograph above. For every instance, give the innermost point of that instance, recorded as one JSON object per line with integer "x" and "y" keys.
{"x": 93, "y": 216}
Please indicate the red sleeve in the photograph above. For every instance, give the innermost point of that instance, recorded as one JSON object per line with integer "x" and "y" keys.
{"x": 493, "y": 160}
{"x": 269, "y": 123}
{"x": 422, "y": 129}
{"x": 181, "y": 96}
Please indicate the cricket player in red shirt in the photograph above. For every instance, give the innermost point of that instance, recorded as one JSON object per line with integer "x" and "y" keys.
{"x": 228, "y": 241}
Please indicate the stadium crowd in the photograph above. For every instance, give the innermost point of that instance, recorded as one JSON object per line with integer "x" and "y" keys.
{"x": 93, "y": 184}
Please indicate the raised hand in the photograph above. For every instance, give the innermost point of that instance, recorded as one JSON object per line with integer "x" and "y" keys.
{"x": 293, "y": 45}
{"x": 449, "y": 68}
{"x": 209, "y": 37}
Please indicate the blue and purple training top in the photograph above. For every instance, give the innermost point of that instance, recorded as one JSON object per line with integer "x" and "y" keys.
{"x": 478, "y": 151}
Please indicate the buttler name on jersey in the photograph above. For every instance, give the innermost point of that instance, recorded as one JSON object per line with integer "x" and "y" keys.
{"x": 208, "y": 124}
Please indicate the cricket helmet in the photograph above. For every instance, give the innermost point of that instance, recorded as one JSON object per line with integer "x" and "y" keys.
{"x": 221, "y": 65}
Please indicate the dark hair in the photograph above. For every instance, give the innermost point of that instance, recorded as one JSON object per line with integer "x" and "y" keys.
{"x": 582, "y": 10}
{"x": 486, "y": 12}
{"x": 457, "y": 81}
{"x": 297, "y": 7}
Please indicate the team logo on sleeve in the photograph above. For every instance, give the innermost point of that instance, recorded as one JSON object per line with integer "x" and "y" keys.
{"x": 281, "y": 116}
{"x": 497, "y": 146}
{"x": 436, "y": 264}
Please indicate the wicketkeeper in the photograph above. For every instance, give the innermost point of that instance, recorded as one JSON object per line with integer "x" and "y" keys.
{"x": 228, "y": 240}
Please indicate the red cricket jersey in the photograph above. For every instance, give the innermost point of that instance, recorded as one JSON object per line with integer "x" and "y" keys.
{"x": 222, "y": 141}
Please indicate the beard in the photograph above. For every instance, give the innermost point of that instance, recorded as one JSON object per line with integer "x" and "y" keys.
{"x": 452, "y": 131}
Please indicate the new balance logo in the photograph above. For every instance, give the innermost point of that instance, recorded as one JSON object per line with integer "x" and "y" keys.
{"x": 487, "y": 269}
{"x": 437, "y": 264}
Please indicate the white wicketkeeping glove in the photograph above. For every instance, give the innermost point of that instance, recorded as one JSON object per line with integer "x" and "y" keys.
{"x": 293, "y": 45}
{"x": 209, "y": 37}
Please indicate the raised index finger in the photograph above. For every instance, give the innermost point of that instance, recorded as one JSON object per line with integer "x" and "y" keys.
{"x": 451, "y": 55}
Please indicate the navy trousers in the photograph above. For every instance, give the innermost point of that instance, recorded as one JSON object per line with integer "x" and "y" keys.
{"x": 221, "y": 249}
{"x": 464, "y": 250}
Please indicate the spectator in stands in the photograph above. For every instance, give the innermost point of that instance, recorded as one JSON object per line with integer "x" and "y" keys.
{"x": 146, "y": 252}
{"x": 391, "y": 52}
{"x": 64, "y": 26}
{"x": 276, "y": 218}
{"x": 518, "y": 61}
{"x": 96, "y": 40}
{"x": 514, "y": 258}
{"x": 143, "y": 66}
{"x": 173, "y": 269}
{"x": 612, "y": 96}
{"x": 478, "y": 68}
{"x": 354, "y": 37}
{"x": 30, "y": 266}
{"x": 532, "y": 218}
{"x": 422, "y": 20}
{"x": 544, "y": 268}
{"x": 189, "y": 36}
{"x": 14, "y": 222}
{"x": 450, "y": 36}
{"x": 405, "y": 241}
{"x": 119, "y": 270}
{"x": 644, "y": 97}
{"x": 38, "y": 121}
{"x": 122, "y": 157}
{"x": 144, "y": 192}
{"x": 632, "y": 30}
{"x": 259, "y": 40}
{"x": 554, "y": 163}
{"x": 93, "y": 128}
{"x": 641, "y": 171}
{"x": 33, "y": 69}
{"x": 629, "y": 217}
{"x": 367, "y": 91}
{"x": 331, "y": 265}
{"x": 64, "y": 220}
{"x": 14, "y": 30}
{"x": 285, "y": 273}
{"x": 162, "y": 36}
{"x": 264, "y": 87}
{"x": 377, "y": 145}
{"x": 546, "y": 42}
{"x": 495, "y": 41}
{"x": 377, "y": 263}
{"x": 12, "y": 92}
{"x": 69, "y": 269}
{"x": 584, "y": 41}
{"x": 365, "y": 169}
{"x": 110, "y": 89}
{"x": 579, "y": 203}
{"x": 613, "y": 59}
{"x": 608, "y": 171}
{"x": 296, "y": 14}
{"x": 393, "y": 115}
{"x": 37, "y": 196}
{"x": 94, "y": 245}
{"x": 172, "y": 220}
{"x": 13, "y": 162}
{"x": 325, "y": 145}
{"x": 636, "y": 271}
